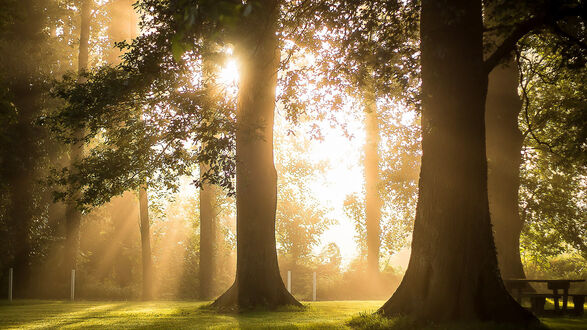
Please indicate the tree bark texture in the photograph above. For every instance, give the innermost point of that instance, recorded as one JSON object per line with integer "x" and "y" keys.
{"x": 372, "y": 198}
{"x": 145, "y": 227}
{"x": 208, "y": 219}
{"x": 258, "y": 282}
{"x": 452, "y": 274}
{"x": 72, "y": 214}
{"x": 504, "y": 156}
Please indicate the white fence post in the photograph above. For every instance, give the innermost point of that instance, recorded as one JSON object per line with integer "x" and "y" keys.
{"x": 289, "y": 281}
{"x": 72, "y": 284}
{"x": 10, "y": 278}
{"x": 314, "y": 286}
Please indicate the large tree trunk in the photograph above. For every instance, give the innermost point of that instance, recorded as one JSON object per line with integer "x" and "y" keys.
{"x": 208, "y": 215}
{"x": 72, "y": 214}
{"x": 147, "y": 261}
{"x": 372, "y": 198}
{"x": 258, "y": 282}
{"x": 452, "y": 274}
{"x": 504, "y": 156}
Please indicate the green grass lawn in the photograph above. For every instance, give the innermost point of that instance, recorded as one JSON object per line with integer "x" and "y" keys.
{"x": 39, "y": 314}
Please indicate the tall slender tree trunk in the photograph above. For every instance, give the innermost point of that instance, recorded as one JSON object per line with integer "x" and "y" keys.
{"x": 21, "y": 218}
{"x": 72, "y": 214}
{"x": 122, "y": 207}
{"x": 208, "y": 207}
{"x": 258, "y": 282}
{"x": 504, "y": 156}
{"x": 123, "y": 215}
{"x": 123, "y": 26}
{"x": 208, "y": 213}
{"x": 21, "y": 182}
{"x": 22, "y": 175}
{"x": 145, "y": 227}
{"x": 452, "y": 274}
{"x": 145, "y": 223}
{"x": 372, "y": 198}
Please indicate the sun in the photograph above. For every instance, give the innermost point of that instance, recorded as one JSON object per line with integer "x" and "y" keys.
{"x": 229, "y": 75}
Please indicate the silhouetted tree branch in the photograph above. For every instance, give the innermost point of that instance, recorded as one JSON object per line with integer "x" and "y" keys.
{"x": 549, "y": 16}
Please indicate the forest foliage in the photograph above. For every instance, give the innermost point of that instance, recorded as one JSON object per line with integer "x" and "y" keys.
{"x": 160, "y": 112}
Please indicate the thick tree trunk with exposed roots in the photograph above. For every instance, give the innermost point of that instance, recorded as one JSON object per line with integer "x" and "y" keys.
{"x": 504, "y": 156}
{"x": 452, "y": 274}
{"x": 258, "y": 282}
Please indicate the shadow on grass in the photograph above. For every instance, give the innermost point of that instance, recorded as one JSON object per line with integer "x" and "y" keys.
{"x": 254, "y": 310}
{"x": 377, "y": 321}
{"x": 198, "y": 315}
{"x": 53, "y": 314}
{"x": 207, "y": 316}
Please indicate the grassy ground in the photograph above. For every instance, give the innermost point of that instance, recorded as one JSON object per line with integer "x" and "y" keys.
{"x": 36, "y": 314}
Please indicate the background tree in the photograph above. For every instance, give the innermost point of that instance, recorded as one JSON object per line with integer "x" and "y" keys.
{"x": 504, "y": 143}
{"x": 371, "y": 57}
{"x": 300, "y": 219}
{"x": 208, "y": 235}
{"x": 504, "y": 140}
{"x": 373, "y": 201}
{"x": 30, "y": 46}
{"x": 209, "y": 208}
{"x": 72, "y": 214}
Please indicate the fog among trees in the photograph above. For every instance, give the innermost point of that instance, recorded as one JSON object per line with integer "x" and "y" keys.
{"x": 414, "y": 152}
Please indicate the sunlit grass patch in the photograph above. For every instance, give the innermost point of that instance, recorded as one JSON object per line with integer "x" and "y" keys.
{"x": 372, "y": 321}
{"x": 194, "y": 315}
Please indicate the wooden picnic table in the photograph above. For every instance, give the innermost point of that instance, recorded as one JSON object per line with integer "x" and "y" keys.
{"x": 519, "y": 284}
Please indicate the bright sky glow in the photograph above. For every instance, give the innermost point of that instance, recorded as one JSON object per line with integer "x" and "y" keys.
{"x": 228, "y": 75}
{"x": 344, "y": 177}
{"x": 344, "y": 174}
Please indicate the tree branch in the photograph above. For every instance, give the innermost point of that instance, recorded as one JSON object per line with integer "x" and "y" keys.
{"x": 527, "y": 26}
{"x": 509, "y": 44}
